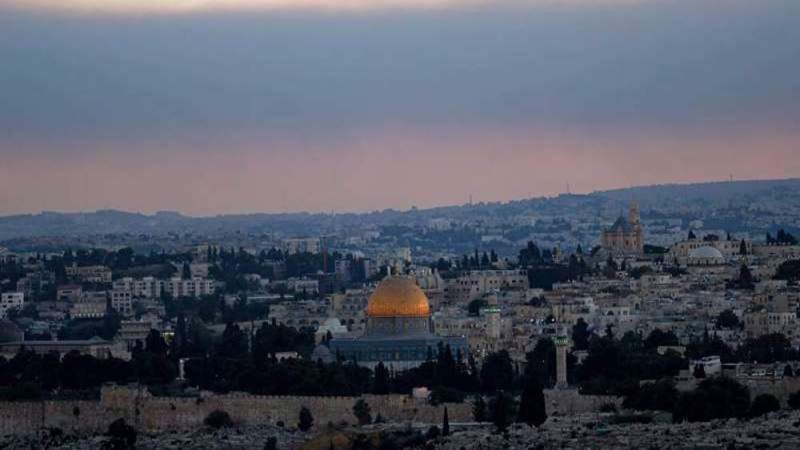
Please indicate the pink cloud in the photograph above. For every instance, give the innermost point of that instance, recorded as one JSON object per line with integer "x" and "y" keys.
{"x": 394, "y": 167}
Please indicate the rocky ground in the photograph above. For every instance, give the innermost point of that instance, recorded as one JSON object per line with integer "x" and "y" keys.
{"x": 775, "y": 431}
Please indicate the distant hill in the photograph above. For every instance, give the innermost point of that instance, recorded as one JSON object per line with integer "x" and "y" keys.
{"x": 698, "y": 200}
{"x": 716, "y": 193}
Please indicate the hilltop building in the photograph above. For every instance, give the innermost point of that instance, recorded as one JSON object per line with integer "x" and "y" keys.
{"x": 626, "y": 236}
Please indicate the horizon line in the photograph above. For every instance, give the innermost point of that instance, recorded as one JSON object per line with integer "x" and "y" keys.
{"x": 413, "y": 208}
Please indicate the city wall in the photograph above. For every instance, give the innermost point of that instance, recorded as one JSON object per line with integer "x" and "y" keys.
{"x": 149, "y": 413}
{"x": 152, "y": 414}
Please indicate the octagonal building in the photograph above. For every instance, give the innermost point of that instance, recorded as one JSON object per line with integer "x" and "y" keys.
{"x": 399, "y": 329}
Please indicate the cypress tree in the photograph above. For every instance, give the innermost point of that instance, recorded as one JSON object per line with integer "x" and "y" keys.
{"x": 445, "y": 424}
{"x": 532, "y": 410}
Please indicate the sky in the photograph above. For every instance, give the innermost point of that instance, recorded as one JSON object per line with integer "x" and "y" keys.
{"x": 237, "y": 106}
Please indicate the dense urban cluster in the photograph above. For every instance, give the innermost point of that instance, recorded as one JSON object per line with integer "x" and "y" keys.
{"x": 704, "y": 327}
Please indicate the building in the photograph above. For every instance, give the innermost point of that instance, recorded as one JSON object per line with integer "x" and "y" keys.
{"x": 196, "y": 287}
{"x": 626, "y": 236}
{"x": 705, "y": 256}
{"x": 149, "y": 287}
{"x": 9, "y": 301}
{"x": 34, "y": 283}
{"x": 69, "y": 293}
{"x": 763, "y": 321}
{"x": 681, "y": 252}
{"x": 477, "y": 283}
{"x": 92, "y": 305}
{"x": 133, "y": 331}
{"x": 399, "y": 331}
{"x": 122, "y": 302}
{"x": 302, "y": 245}
{"x": 89, "y": 274}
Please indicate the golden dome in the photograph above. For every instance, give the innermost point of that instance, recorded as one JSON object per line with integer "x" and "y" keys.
{"x": 398, "y": 296}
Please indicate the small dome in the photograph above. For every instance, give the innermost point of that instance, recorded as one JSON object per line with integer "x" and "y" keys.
{"x": 398, "y": 296}
{"x": 10, "y": 332}
{"x": 706, "y": 252}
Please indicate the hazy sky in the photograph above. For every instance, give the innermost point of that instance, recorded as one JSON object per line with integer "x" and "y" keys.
{"x": 216, "y": 106}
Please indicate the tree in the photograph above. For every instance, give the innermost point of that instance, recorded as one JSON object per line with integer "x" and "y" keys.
{"x": 233, "y": 343}
{"x": 306, "y": 420}
{"x": 581, "y": 335}
{"x": 745, "y": 280}
{"x": 794, "y": 400}
{"x": 727, "y": 319}
{"x": 692, "y": 236}
{"x": 699, "y": 371}
{"x": 789, "y": 271}
{"x": 659, "y": 396}
{"x": 363, "y": 412}
{"x": 445, "y": 424}
{"x": 186, "y": 272}
{"x": 271, "y": 444}
{"x": 497, "y": 372}
{"x": 787, "y": 371}
{"x": 714, "y": 398}
{"x": 380, "y": 384}
{"x": 502, "y": 410}
{"x": 763, "y": 404}
{"x": 658, "y": 338}
{"x": 532, "y": 410}
{"x": 743, "y": 248}
{"x": 474, "y": 307}
{"x": 155, "y": 344}
{"x": 479, "y": 412}
{"x": 218, "y": 419}
{"x": 123, "y": 436}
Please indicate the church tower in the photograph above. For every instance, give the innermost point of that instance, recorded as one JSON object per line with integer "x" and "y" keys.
{"x": 634, "y": 217}
{"x": 637, "y": 232}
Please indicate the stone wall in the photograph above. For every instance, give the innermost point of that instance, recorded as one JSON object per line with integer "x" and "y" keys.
{"x": 149, "y": 413}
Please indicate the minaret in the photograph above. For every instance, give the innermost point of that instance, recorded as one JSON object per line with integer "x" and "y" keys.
{"x": 562, "y": 346}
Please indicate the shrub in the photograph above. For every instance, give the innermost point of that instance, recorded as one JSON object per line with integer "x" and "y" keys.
{"x": 218, "y": 419}
{"x": 794, "y": 400}
{"x": 306, "y": 419}
{"x": 362, "y": 412}
{"x": 764, "y": 403}
{"x": 271, "y": 444}
{"x": 433, "y": 433}
{"x": 659, "y": 396}
{"x": 714, "y": 398}
{"x": 608, "y": 408}
{"x": 123, "y": 436}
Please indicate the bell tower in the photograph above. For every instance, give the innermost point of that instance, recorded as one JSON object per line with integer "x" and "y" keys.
{"x": 634, "y": 217}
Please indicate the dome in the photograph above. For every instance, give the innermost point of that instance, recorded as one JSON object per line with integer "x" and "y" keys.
{"x": 10, "y": 332}
{"x": 398, "y": 296}
{"x": 331, "y": 322}
{"x": 706, "y": 252}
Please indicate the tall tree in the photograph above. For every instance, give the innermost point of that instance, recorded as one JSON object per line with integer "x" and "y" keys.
{"x": 380, "y": 384}
{"x": 532, "y": 409}
{"x": 502, "y": 410}
{"x": 479, "y": 412}
{"x": 306, "y": 420}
